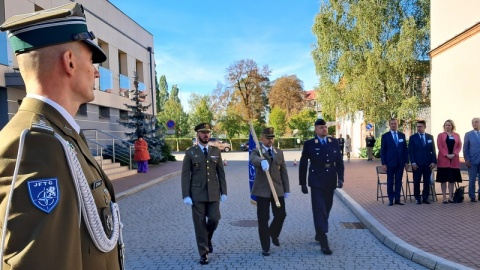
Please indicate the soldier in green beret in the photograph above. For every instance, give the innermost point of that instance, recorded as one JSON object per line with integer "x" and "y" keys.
{"x": 203, "y": 188}
{"x": 58, "y": 207}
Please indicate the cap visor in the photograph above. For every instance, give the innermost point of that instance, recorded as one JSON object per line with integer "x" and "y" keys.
{"x": 98, "y": 56}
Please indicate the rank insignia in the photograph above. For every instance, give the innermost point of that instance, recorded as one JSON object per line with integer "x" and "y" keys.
{"x": 44, "y": 193}
{"x": 316, "y": 140}
{"x": 329, "y": 140}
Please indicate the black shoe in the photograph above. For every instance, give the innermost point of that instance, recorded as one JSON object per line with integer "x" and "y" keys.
{"x": 418, "y": 202}
{"x": 324, "y": 245}
{"x": 399, "y": 203}
{"x": 275, "y": 241}
{"x": 210, "y": 248}
{"x": 426, "y": 202}
{"x": 265, "y": 253}
{"x": 390, "y": 203}
{"x": 326, "y": 250}
{"x": 204, "y": 259}
{"x": 473, "y": 200}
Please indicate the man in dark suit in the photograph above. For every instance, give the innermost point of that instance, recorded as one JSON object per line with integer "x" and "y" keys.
{"x": 341, "y": 143}
{"x": 394, "y": 156}
{"x": 326, "y": 168}
{"x": 271, "y": 160}
{"x": 203, "y": 187}
{"x": 57, "y": 173}
{"x": 423, "y": 157}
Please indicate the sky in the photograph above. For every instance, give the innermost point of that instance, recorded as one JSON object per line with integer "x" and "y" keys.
{"x": 196, "y": 41}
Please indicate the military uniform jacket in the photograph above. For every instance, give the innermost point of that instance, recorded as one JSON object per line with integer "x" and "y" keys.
{"x": 326, "y": 164}
{"x": 278, "y": 172}
{"x": 203, "y": 178}
{"x": 59, "y": 239}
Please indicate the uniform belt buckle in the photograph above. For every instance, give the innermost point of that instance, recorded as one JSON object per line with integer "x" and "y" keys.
{"x": 327, "y": 165}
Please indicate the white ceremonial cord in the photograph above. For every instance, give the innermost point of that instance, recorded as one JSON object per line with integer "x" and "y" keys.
{"x": 89, "y": 209}
{"x": 10, "y": 194}
{"x": 85, "y": 199}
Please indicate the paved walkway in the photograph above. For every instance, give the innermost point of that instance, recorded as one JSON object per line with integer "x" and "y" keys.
{"x": 437, "y": 236}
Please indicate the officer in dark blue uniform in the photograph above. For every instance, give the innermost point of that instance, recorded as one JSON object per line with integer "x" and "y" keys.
{"x": 325, "y": 173}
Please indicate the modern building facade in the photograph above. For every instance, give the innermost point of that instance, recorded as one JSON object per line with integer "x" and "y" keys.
{"x": 455, "y": 63}
{"x": 130, "y": 52}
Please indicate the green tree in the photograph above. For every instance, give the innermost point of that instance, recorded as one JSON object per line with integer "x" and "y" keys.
{"x": 278, "y": 121}
{"x": 303, "y": 122}
{"x": 162, "y": 93}
{"x": 372, "y": 57}
{"x": 233, "y": 124}
{"x": 174, "y": 93}
{"x": 174, "y": 111}
{"x": 287, "y": 93}
{"x": 199, "y": 109}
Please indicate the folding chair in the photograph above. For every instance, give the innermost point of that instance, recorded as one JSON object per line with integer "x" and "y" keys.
{"x": 409, "y": 180}
{"x": 382, "y": 180}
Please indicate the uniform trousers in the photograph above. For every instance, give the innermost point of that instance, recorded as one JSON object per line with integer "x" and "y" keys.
{"x": 473, "y": 173}
{"x": 425, "y": 172}
{"x": 322, "y": 201}
{"x": 394, "y": 182}
{"x": 205, "y": 220}
{"x": 263, "y": 216}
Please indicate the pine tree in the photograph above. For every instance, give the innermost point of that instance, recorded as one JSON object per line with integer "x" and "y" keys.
{"x": 143, "y": 124}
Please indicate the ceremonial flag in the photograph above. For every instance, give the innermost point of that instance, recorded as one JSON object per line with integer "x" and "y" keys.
{"x": 251, "y": 167}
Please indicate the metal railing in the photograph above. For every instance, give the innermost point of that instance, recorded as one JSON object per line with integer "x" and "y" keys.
{"x": 109, "y": 146}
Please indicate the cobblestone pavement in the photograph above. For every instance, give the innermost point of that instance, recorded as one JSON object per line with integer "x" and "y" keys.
{"x": 158, "y": 230}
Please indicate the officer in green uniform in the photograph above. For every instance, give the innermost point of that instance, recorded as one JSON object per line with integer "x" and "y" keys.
{"x": 61, "y": 213}
{"x": 203, "y": 187}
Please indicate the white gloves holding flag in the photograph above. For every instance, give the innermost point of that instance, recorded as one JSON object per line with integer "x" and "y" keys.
{"x": 265, "y": 165}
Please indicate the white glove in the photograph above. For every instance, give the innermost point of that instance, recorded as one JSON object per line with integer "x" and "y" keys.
{"x": 188, "y": 201}
{"x": 265, "y": 165}
{"x": 223, "y": 198}
{"x": 286, "y": 194}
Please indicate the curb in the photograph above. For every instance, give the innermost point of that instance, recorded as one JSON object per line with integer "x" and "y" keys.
{"x": 393, "y": 242}
{"x": 146, "y": 185}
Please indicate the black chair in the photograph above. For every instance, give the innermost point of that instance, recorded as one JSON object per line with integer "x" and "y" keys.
{"x": 409, "y": 180}
{"x": 382, "y": 180}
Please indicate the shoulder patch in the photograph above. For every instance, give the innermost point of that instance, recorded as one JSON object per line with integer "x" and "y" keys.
{"x": 44, "y": 193}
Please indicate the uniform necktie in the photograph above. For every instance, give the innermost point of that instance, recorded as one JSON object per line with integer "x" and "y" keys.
{"x": 395, "y": 137}
{"x": 423, "y": 139}
{"x": 205, "y": 151}
{"x": 323, "y": 142}
{"x": 270, "y": 153}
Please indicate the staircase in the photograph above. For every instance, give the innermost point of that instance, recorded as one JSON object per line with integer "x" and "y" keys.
{"x": 114, "y": 170}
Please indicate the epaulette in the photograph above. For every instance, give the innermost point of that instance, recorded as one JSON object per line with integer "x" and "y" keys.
{"x": 40, "y": 124}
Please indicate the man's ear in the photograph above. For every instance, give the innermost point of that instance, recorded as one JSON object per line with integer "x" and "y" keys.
{"x": 68, "y": 62}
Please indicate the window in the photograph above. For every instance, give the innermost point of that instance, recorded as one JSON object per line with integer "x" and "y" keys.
{"x": 103, "y": 112}
{"x": 123, "y": 115}
{"x": 82, "y": 110}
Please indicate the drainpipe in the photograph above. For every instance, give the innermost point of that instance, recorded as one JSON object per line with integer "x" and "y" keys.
{"x": 152, "y": 81}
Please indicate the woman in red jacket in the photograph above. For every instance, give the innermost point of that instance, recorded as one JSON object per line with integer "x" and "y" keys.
{"x": 141, "y": 154}
{"x": 448, "y": 162}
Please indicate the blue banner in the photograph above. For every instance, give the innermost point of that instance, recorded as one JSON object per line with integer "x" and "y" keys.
{"x": 251, "y": 167}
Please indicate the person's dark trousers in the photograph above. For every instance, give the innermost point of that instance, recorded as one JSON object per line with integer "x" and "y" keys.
{"x": 263, "y": 216}
{"x": 394, "y": 182}
{"x": 201, "y": 211}
{"x": 341, "y": 151}
{"x": 322, "y": 201}
{"x": 423, "y": 171}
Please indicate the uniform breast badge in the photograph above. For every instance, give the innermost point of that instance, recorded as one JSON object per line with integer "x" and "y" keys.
{"x": 44, "y": 193}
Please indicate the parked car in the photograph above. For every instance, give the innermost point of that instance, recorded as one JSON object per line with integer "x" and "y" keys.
{"x": 244, "y": 146}
{"x": 222, "y": 145}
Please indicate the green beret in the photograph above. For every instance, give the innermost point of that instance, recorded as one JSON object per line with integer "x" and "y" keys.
{"x": 268, "y": 132}
{"x": 320, "y": 122}
{"x": 49, "y": 27}
{"x": 203, "y": 127}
